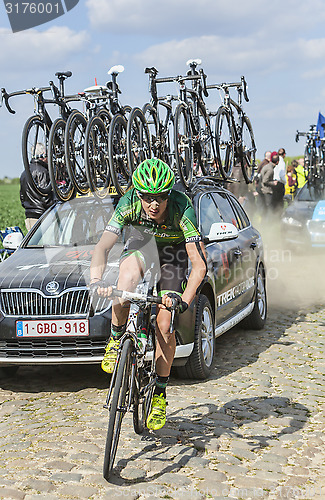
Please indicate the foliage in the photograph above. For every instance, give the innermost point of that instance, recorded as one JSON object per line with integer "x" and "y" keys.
{"x": 11, "y": 211}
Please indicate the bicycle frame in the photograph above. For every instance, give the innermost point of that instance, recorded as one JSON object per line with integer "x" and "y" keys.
{"x": 230, "y": 105}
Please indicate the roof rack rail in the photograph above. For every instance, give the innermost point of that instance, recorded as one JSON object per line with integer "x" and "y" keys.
{"x": 210, "y": 180}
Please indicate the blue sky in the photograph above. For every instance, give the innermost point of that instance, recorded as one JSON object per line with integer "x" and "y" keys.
{"x": 279, "y": 46}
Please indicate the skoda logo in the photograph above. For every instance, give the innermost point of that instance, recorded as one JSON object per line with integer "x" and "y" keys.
{"x": 52, "y": 287}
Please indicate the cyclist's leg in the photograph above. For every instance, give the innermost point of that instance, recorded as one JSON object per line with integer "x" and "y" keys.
{"x": 174, "y": 262}
{"x": 131, "y": 269}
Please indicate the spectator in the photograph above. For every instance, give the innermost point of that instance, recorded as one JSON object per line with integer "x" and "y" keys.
{"x": 265, "y": 161}
{"x": 34, "y": 203}
{"x": 301, "y": 173}
{"x": 292, "y": 183}
{"x": 259, "y": 194}
{"x": 280, "y": 177}
{"x": 268, "y": 183}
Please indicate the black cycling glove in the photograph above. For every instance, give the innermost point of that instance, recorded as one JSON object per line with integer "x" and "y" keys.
{"x": 93, "y": 286}
{"x": 180, "y": 306}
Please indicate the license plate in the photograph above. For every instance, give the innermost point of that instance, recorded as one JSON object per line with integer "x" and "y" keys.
{"x": 57, "y": 328}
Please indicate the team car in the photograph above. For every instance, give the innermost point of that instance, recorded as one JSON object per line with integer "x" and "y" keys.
{"x": 303, "y": 222}
{"x": 44, "y": 298}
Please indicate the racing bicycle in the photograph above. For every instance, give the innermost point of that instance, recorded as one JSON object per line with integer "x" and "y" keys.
{"x": 235, "y": 142}
{"x": 105, "y": 148}
{"x": 160, "y": 119}
{"x": 314, "y": 157}
{"x": 39, "y": 128}
{"x": 133, "y": 379}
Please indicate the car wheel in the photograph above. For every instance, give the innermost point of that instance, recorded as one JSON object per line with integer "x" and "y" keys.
{"x": 256, "y": 319}
{"x": 199, "y": 364}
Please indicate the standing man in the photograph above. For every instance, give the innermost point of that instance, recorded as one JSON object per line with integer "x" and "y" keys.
{"x": 280, "y": 177}
{"x": 36, "y": 204}
{"x": 258, "y": 184}
{"x": 268, "y": 183}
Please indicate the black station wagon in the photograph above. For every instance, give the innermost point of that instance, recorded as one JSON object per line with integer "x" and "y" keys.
{"x": 44, "y": 299}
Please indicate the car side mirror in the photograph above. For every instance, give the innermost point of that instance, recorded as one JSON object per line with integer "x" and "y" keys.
{"x": 220, "y": 231}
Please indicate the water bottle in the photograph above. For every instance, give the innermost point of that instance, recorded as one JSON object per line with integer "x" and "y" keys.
{"x": 142, "y": 339}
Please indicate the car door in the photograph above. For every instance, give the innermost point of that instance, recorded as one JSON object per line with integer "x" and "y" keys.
{"x": 249, "y": 242}
{"x": 222, "y": 260}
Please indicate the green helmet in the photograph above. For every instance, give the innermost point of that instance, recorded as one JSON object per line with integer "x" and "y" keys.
{"x": 153, "y": 176}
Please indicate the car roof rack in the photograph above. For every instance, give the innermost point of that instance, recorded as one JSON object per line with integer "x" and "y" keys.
{"x": 210, "y": 181}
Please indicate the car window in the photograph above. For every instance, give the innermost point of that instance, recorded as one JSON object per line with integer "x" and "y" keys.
{"x": 72, "y": 224}
{"x": 240, "y": 212}
{"x": 226, "y": 210}
{"x": 208, "y": 213}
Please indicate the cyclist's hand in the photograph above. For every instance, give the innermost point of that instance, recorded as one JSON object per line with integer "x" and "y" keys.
{"x": 100, "y": 288}
{"x": 172, "y": 301}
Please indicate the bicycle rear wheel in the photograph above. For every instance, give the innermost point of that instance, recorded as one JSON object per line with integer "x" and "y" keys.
{"x": 183, "y": 145}
{"x": 206, "y": 158}
{"x": 117, "y": 407}
{"x": 74, "y": 145}
{"x": 34, "y": 132}
{"x": 150, "y": 115}
{"x": 120, "y": 169}
{"x": 96, "y": 157}
{"x": 248, "y": 160}
{"x": 60, "y": 179}
{"x": 224, "y": 143}
{"x": 138, "y": 139}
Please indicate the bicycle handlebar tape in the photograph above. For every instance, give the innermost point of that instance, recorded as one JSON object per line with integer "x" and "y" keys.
{"x": 24, "y": 15}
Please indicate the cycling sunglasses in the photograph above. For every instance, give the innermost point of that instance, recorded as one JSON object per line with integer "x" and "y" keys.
{"x": 151, "y": 198}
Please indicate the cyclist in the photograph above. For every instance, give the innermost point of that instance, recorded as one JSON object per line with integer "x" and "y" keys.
{"x": 152, "y": 208}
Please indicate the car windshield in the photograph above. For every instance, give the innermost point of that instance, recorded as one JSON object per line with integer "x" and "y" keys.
{"x": 311, "y": 193}
{"x": 75, "y": 223}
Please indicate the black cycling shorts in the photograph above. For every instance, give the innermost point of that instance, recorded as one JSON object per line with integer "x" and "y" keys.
{"x": 170, "y": 263}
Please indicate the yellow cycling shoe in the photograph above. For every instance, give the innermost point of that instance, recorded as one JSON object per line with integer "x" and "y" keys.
{"x": 157, "y": 418}
{"x": 109, "y": 359}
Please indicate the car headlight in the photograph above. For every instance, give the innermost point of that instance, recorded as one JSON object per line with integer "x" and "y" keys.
{"x": 291, "y": 221}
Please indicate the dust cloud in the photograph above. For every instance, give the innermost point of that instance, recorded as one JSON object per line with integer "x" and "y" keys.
{"x": 295, "y": 277}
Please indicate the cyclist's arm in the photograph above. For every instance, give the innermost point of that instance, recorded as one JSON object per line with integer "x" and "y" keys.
{"x": 99, "y": 258}
{"x": 197, "y": 256}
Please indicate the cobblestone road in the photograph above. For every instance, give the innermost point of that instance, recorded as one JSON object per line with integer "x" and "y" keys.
{"x": 255, "y": 429}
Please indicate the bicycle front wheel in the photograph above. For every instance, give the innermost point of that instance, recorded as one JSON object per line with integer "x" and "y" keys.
{"x": 118, "y": 160}
{"x": 118, "y": 407}
{"x": 224, "y": 143}
{"x": 34, "y": 132}
{"x": 74, "y": 144}
{"x": 138, "y": 139}
{"x": 248, "y": 159}
{"x": 96, "y": 157}
{"x": 183, "y": 145}
{"x": 60, "y": 179}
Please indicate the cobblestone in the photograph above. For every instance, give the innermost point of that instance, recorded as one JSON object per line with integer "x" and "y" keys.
{"x": 254, "y": 429}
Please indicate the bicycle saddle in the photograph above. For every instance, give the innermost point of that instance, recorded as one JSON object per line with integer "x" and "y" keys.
{"x": 152, "y": 70}
{"x": 63, "y": 74}
{"x": 195, "y": 62}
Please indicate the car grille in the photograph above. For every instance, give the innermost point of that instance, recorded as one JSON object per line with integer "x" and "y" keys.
{"x": 33, "y": 303}
{"x": 52, "y": 348}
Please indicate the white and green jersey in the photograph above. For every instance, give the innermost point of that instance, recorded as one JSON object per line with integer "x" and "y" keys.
{"x": 179, "y": 226}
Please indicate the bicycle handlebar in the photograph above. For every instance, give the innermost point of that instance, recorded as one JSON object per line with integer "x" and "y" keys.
{"x": 239, "y": 85}
{"x": 33, "y": 91}
{"x": 141, "y": 297}
{"x": 244, "y": 87}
